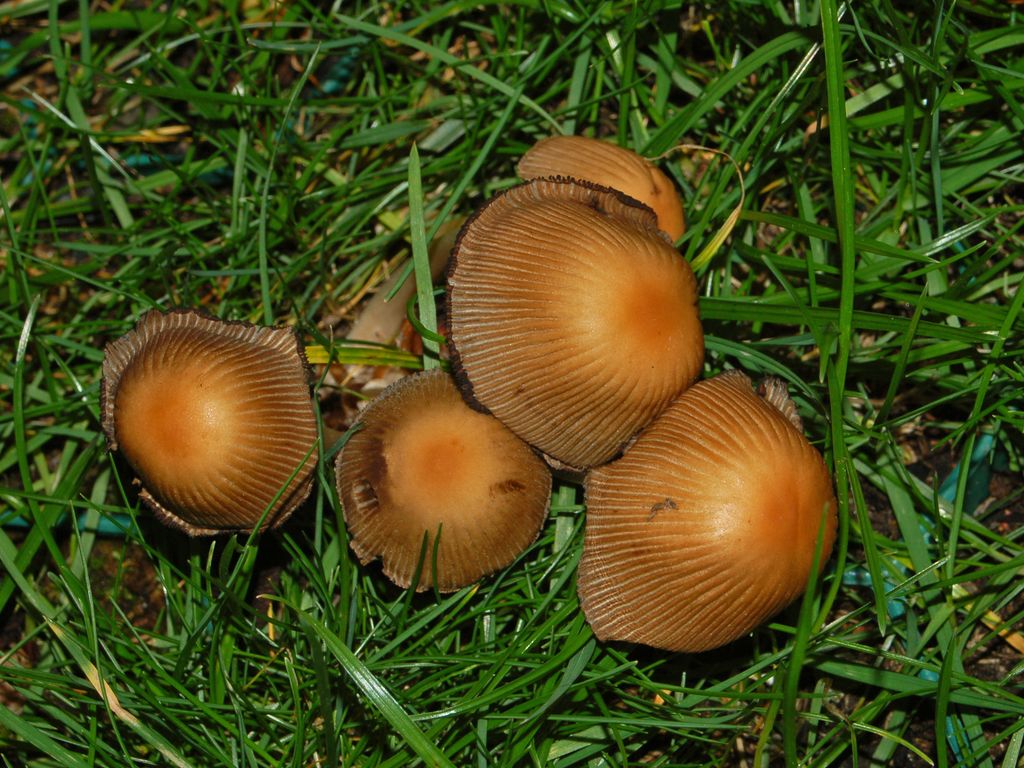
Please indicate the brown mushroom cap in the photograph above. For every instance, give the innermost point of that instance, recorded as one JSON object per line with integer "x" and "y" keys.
{"x": 571, "y": 318}
{"x": 707, "y": 525}
{"x": 424, "y": 461}
{"x": 606, "y": 164}
{"x": 214, "y": 416}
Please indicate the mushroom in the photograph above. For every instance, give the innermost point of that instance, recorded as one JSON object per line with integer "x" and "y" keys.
{"x": 610, "y": 166}
{"x": 215, "y": 417}
{"x": 571, "y": 318}
{"x": 428, "y": 483}
{"x": 709, "y": 524}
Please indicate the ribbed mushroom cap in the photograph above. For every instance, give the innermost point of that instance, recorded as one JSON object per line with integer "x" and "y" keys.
{"x": 214, "y": 416}
{"x": 606, "y": 164}
{"x": 571, "y": 318}
{"x": 707, "y": 525}
{"x": 424, "y": 461}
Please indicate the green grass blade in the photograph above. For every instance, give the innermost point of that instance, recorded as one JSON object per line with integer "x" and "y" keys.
{"x": 379, "y": 696}
{"x": 421, "y": 264}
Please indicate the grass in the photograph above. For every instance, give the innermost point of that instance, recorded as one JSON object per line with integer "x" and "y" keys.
{"x": 272, "y": 164}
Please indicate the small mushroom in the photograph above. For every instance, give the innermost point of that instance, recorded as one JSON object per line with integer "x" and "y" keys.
{"x": 215, "y": 417}
{"x": 708, "y": 525}
{"x": 571, "y": 318}
{"x": 424, "y": 465}
{"x": 606, "y": 164}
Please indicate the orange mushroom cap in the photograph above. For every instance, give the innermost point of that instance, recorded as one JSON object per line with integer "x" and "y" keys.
{"x": 600, "y": 162}
{"x": 215, "y": 417}
{"x": 423, "y": 462}
{"x": 571, "y": 318}
{"x": 708, "y": 524}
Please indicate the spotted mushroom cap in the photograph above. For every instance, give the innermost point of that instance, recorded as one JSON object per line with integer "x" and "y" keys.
{"x": 424, "y": 462}
{"x": 609, "y": 165}
{"x": 571, "y": 318}
{"x": 707, "y": 526}
{"x": 215, "y": 417}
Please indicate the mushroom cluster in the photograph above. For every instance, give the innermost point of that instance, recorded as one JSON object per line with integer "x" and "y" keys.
{"x": 572, "y": 323}
{"x": 573, "y": 320}
{"x": 575, "y": 344}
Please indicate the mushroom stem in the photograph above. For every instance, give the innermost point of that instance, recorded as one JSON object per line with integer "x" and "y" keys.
{"x": 381, "y": 318}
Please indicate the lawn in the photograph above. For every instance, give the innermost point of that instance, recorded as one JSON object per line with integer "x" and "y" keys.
{"x": 278, "y": 163}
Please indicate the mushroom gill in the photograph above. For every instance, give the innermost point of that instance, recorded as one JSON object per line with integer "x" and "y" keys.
{"x": 424, "y": 464}
{"x": 600, "y": 162}
{"x": 708, "y": 525}
{"x": 571, "y": 318}
{"x": 215, "y": 417}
